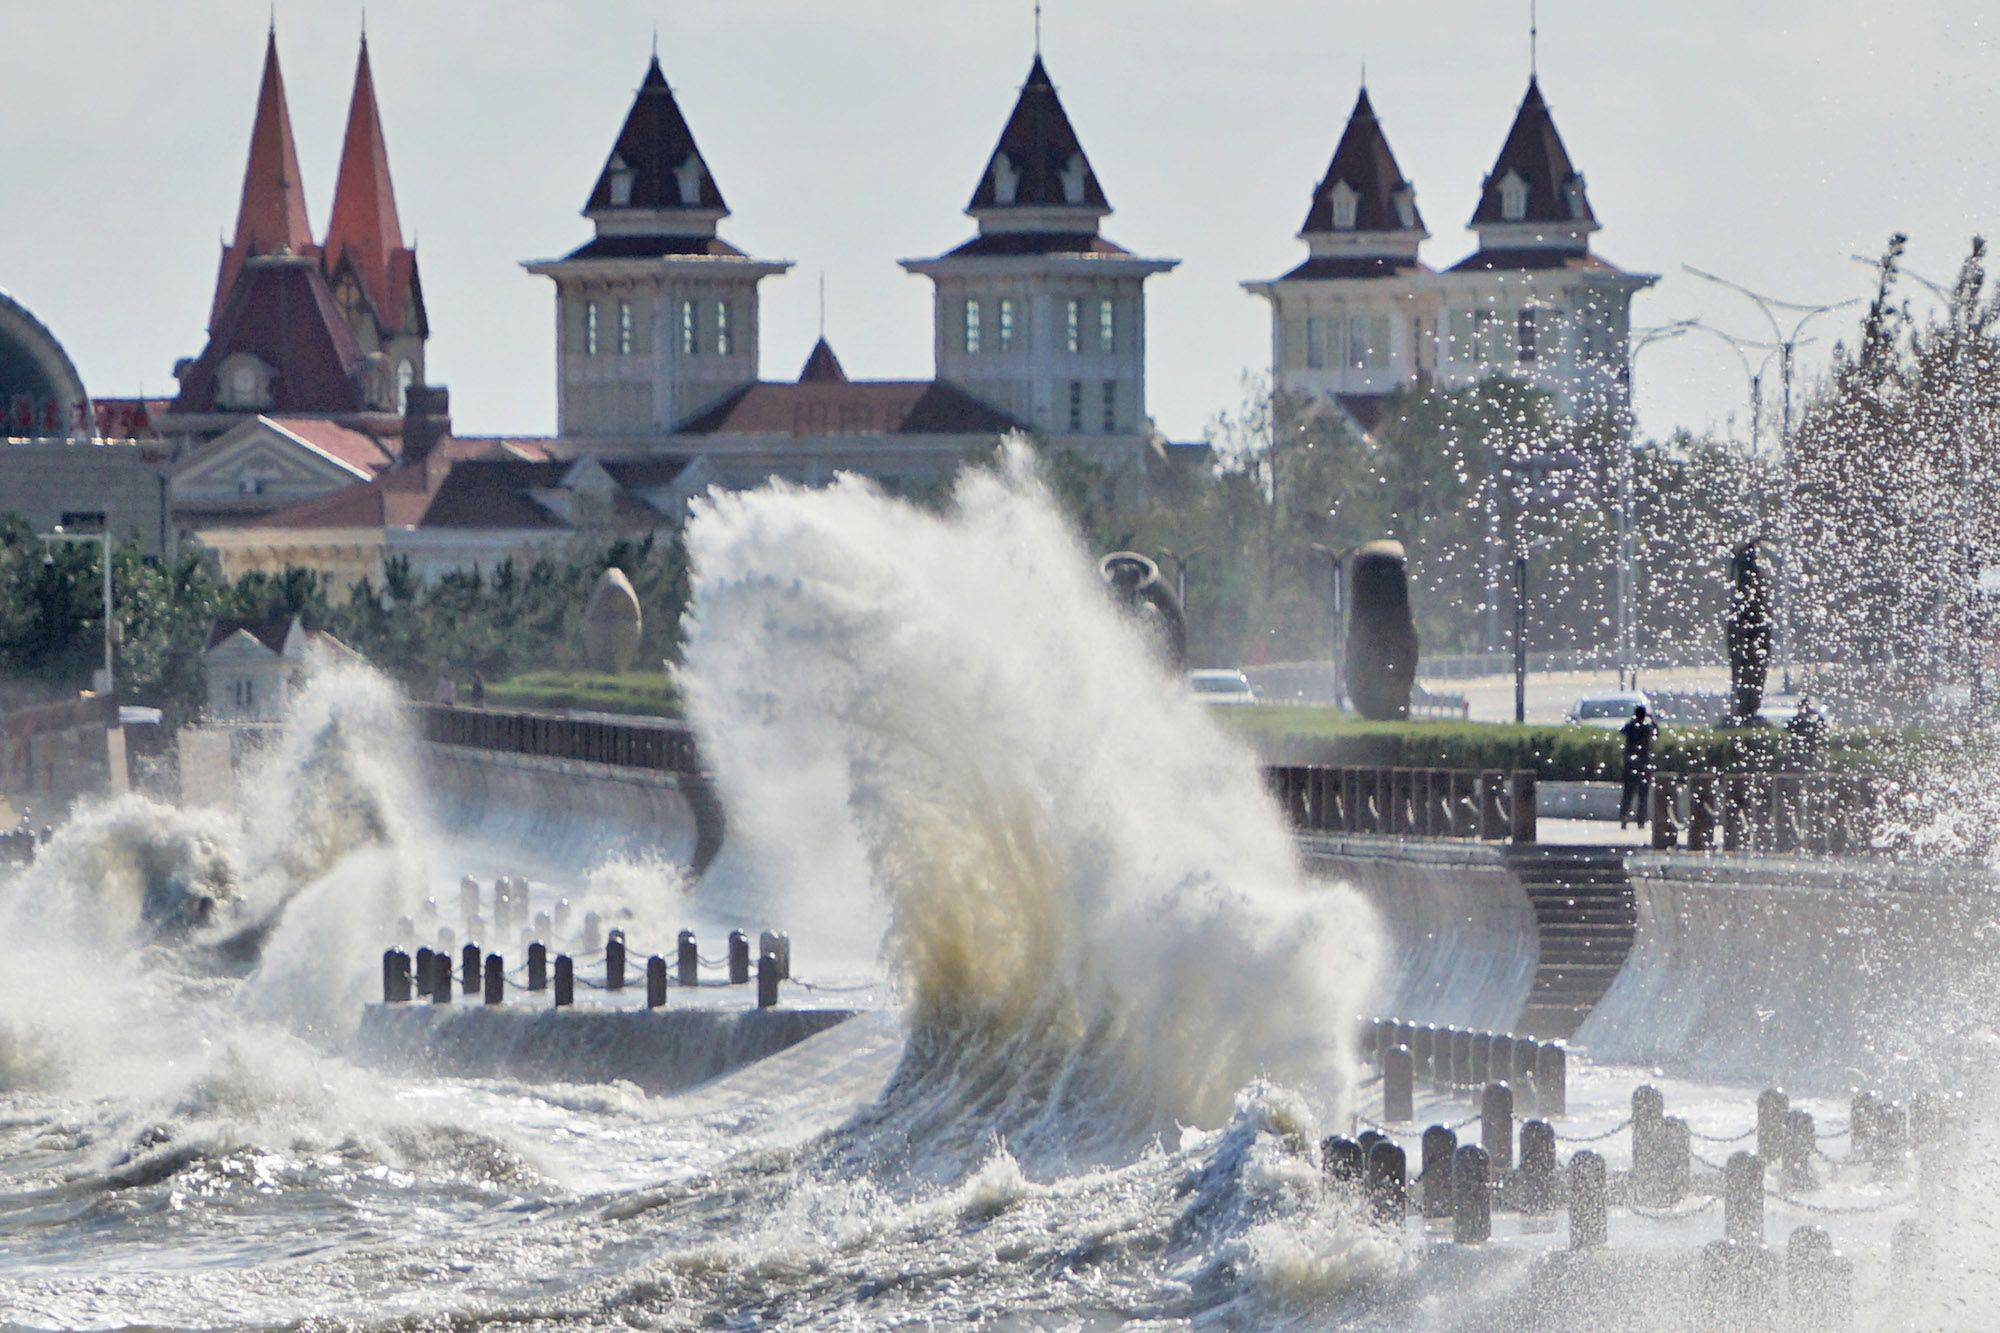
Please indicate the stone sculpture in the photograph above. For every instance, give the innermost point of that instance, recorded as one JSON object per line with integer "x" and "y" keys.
{"x": 1136, "y": 583}
{"x": 1381, "y": 666}
{"x": 1747, "y": 628}
{"x": 612, "y": 623}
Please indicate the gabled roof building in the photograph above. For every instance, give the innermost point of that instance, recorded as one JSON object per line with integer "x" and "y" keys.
{"x": 1364, "y": 317}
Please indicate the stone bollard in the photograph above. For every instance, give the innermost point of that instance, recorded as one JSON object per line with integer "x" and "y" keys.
{"x": 1472, "y": 1204}
{"x": 503, "y": 904}
{"x": 1737, "y": 1285}
{"x": 767, "y": 981}
{"x": 1522, "y": 1057}
{"x": 565, "y": 981}
{"x": 1398, "y": 1093}
{"x": 779, "y": 946}
{"x": 442, "y": 984}
{"x": 1772, "y": 1104}
{"x": 1341, "y": 1158}
{"x": 1926, "y": 1119}
{"x": 444, "y": 939}
{"x": 1552, "y": 1080}
{"x": 423, "y": 973}
{"x": 389, "y": 957}
{"x": 1439, "y": 1144}
{"x": 496, "y": 979}
{"x": 1480, "y": 1067}
{"x": 1538, "y": 1168}
{"x": 739, "y": 958}
{"x": 1797, "y": 1142}
{"x": 1743, "y": 1198}
{"x": 614, "y": 961}
{"x": 538, "y": 966}
{"x": 1820, "y": 1281}
{"x": 1666, "y": 823}
{"x": 406, "y": 928}
{"x": 1420, "y": 1052}
{"x": 1702, "y": 812}
{"x": 1588, "y": 1218}
{"x": 1366, "y": 1141}
{"x": 543, "y": 926}
{"x": 469, "y": 959}
{"x": 687, "y": 960}
{"x": 656, "y": 982}
{"x": 1888, "y": 1138}
{"x": 1387, "y": 1183}
{"x": 562, "y": 917}
{"x": 1461, "y": 1060}
{"x": 1909, "y": 1256}
{"x": 1496, "y": 1126}
{"x": 1860, "y": 1118}
{"x": 468, "y": 898}
{"x": 1676, "y": 1158}
{"x": 1648, "y": 1113}
{"x": 593, "y": 932}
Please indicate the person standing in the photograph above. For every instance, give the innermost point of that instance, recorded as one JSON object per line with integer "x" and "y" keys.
{"x": 1806, "y": 733}
{"x": 1639, "y": 735}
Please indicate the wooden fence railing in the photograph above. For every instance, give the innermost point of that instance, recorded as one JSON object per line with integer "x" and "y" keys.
{"x": 1412, "y": 802}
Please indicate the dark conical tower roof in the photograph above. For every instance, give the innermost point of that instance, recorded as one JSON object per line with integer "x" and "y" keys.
{"x": 822, "y": 367}
{"x": 1365, "y": 164}
{"x": 1039, "y": 162}
{"x": 657, "y": 156}
{"x": 1534, "y": 153}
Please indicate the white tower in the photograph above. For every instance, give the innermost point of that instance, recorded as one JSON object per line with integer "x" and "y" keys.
{"x": 1040, "y": 316}
{"x": 656, "y": 318}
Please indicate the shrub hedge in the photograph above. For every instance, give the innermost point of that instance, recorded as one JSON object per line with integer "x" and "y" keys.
{"x": 1555, "y": 753}
{"x": 641, "y": 693}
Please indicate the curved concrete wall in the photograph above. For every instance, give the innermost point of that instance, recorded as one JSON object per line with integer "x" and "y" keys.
{"x": 558, "y": 814}
{"x": 1817, "y": 974}
{"x": 1462, "y": 929}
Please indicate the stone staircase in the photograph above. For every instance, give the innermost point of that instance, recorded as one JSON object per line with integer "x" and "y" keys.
{"x": 1584, "y": 922}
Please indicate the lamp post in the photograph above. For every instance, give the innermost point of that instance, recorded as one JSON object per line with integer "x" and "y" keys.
{"x": 1535, "y": 470}
{"x": 103, "y": 539}
{"x": 1788, "y": 344}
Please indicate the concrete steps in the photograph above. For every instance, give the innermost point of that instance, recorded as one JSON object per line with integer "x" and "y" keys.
{"x": 1584, "y": 925}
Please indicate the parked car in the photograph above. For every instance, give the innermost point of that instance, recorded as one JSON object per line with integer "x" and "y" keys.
{"x": 1222, "y": 687}
{"x": 1611, "y": 711}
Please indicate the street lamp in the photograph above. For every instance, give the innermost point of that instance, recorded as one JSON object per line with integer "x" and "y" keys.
{"x": 1536, "y": 469}
{"x": 103, "y": 539}
{"x": 1787, "y": 347}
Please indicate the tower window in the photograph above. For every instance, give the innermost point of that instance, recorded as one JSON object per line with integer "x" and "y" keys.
{"x": 590, "y": 328}
{"x": 1345, "y": 205}
{"x": 1006, "y": 324}
{"x": 1110, "y": 406}
{"x": 406, "y": 375}
{"x": 1315, "y": 342}
{"x": 1076, "y": 407}
{"x": 690, "y": 332}
{"x": 1107, "y": 327}
{"x": 1527, "y": 334}
{"x": 724, "y": 339}
{"x": 621, "y": 182}
{"x": 1073, "y": 325}
{"x": 624, "y": 328}
{"x": 1513, "y": 197}
{"x": 1368, "y": 342}
{"x": 972, "y": 327}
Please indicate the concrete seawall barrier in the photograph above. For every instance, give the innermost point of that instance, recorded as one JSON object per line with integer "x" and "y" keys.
{"x": 1461, "y": 929}
{"x": 1819, "y": 973}
{"x": 660, "y": 1050}
{"x": 560, "y": 812}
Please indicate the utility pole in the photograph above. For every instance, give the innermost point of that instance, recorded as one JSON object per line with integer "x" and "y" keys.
{"x": 1520, "y": 637}
{"x": 1788, "y": 344}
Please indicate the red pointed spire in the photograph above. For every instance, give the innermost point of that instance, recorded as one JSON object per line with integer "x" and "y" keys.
{"x": 272, "y": 216}
{"x": 364, "y": 228}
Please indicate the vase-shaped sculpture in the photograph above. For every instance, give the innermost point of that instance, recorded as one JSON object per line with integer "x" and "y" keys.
{"x": 1381, "y": 666}
{"x": 1136, "y": 583}
{"x": 612, "y": 623}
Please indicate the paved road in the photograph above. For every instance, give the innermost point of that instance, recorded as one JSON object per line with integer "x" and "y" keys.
{"x": 1551, "y": 693}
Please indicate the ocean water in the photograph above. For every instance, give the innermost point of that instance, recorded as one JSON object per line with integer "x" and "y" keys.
{"x": 1109, "y": 1019}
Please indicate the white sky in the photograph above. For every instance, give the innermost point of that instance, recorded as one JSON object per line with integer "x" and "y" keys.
{"x": 1768, "y": 141}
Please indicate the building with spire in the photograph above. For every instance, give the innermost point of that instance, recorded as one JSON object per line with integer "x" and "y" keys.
{"x": 1364, "y": 317}
{"x": 1039, "y": 315}
{"x": 656, "y": 315}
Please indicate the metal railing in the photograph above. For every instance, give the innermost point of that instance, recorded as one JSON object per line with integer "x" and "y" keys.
{"x": 1830, "y": 813}
{"x": 661, "y": 747}
{"x": 1490, "y": 806}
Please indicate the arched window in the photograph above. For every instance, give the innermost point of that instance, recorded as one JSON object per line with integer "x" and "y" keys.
{"x": 1344, "y": 206}
{"x": 1513, "y": 198}
{"x": 406, "y": 375}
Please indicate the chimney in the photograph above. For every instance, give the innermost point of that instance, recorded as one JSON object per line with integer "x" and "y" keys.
{"x": 426, "y": 420}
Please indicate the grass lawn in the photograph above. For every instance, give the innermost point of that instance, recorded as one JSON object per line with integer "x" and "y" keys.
{"x": 647, "y": 693}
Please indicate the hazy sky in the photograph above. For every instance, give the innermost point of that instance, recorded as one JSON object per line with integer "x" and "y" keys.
{"x": 1767, "y": 141}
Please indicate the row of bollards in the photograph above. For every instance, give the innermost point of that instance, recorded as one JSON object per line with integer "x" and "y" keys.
{"x": 428, "y": 974}
{"x": 1454, "y": 1058}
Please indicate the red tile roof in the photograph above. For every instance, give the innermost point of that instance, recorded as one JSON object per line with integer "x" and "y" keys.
{"x": 271, "y": 218}
{"x": 1363, "y": 160}
{"x": 851, "y": 407}
{"x": 365, "y": 231}
{"x": 270, "y": 631}
{"x": 280, "y": 311}
{"x": 472, "y": 492}
{"x": 357, "y": 449}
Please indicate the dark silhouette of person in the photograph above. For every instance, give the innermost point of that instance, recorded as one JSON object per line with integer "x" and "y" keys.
{"x": 1639, "y": 735}
{"x": 1807, "y": 734}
